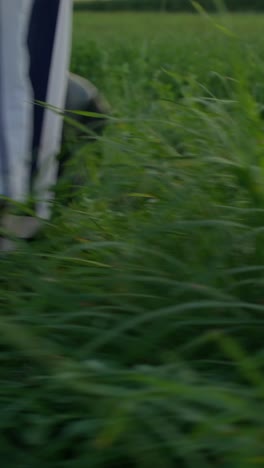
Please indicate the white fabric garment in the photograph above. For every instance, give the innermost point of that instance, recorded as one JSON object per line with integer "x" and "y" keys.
{"x": 16, "y": 104}
{"x": 15, "y": 99}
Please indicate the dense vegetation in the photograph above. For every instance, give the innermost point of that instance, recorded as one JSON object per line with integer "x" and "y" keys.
{"x": 132, "y": 329}
{"x": 170, "y": 5}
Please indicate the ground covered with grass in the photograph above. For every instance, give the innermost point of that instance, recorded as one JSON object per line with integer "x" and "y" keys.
{"x": 132, "y": 329}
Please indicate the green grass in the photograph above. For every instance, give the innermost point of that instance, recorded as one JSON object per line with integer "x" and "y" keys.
{"x": 132, "y": 329}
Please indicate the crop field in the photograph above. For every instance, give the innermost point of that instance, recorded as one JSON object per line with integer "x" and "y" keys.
{"x": 132, "y": 328}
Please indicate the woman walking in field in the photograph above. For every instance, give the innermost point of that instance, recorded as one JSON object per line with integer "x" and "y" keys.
{"x": 35, "y": 37}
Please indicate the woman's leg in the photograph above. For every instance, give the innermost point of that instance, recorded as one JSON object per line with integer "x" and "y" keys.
{"x": 49, "y": 42}
{"x": 25, "y": 40}
{"x": 15, "y": 99}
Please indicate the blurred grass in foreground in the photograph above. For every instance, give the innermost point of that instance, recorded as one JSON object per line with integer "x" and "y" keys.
{"x": 132, "y": 330}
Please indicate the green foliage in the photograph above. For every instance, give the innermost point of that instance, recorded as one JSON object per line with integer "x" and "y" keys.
{"x": 168, "y": 5}
{"x": 132, "y": 329}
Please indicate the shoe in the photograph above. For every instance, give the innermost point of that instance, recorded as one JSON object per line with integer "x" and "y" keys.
{"x": 20, "y": 227}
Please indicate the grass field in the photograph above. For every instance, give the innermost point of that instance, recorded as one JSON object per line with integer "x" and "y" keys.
{"x": 132, "y": 329}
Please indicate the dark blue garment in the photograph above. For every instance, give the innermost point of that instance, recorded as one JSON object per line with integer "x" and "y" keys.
{"x": 41, "y": 37}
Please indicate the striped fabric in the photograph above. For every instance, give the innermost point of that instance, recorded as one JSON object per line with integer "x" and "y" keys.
{"x": 15, "y": 98}
{"x": 34, "y": 58}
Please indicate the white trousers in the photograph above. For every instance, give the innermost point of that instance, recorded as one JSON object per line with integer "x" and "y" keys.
{"x": 29, "y": 135}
